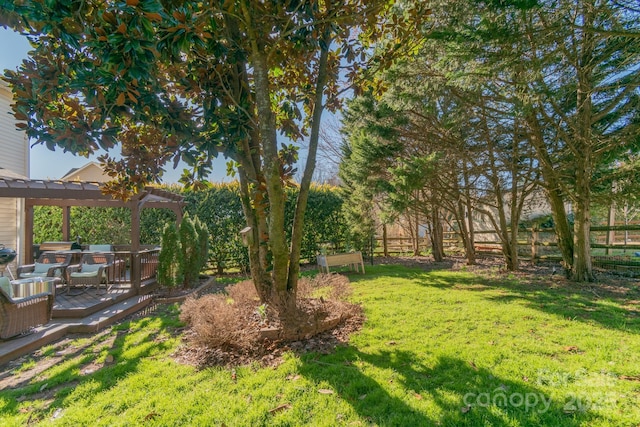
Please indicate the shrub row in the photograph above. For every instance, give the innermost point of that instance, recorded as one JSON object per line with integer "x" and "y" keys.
{"x": 218, "y": 207}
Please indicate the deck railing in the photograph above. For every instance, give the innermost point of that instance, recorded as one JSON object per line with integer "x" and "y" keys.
{"x": 137, "y": 269}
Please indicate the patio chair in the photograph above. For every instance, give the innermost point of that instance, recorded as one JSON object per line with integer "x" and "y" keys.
{"x": 19, "y": 315}
{"x": 92, "y": 271}
{"x": 49, "y": 264}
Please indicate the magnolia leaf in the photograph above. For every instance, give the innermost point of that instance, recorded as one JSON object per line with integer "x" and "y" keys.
{"x": 121, "y": 99}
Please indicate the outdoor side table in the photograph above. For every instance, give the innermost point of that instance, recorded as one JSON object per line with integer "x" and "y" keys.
{"x": 23, "y": 288}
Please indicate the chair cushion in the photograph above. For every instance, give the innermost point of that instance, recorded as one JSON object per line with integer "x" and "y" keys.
{"x": 41, "y": 267}
{"x": 85, "y": 274}
{"x": 91, "y": 268}
{"x": 5, "y": 284}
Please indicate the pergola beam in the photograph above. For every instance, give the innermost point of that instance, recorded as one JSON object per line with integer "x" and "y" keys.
{"x": 67, "y": 194}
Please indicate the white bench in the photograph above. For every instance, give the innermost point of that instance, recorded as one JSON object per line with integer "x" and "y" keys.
{"x": 352, "y": 259}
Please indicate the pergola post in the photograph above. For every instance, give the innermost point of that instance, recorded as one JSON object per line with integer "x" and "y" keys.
{"x": 28, "y": 231}
{"x": 66, "y": 221}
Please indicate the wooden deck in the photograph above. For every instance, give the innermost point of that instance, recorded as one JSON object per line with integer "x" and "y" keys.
{"x": 58, "y": 327}
{"x": 77, "y": 303}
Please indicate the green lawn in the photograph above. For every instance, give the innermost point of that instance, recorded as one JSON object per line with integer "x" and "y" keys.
{"x": 438, "y": 348}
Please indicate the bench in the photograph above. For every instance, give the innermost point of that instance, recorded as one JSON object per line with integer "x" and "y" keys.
{"x": 485, "y": 248}
{"x": 352, "y": 259}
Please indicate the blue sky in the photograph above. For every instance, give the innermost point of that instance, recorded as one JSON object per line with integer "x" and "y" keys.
{"x": 54, "y": 164}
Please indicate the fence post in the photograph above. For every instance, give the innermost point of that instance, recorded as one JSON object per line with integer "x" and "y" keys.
{"x": 534, "y": 246}
{"x": 611, "y": 222}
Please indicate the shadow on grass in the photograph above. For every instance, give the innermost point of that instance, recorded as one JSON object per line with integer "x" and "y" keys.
{"x": 452, "y": 392}
{"x": 56, "y": 387}
{"x": 555, "y": 295}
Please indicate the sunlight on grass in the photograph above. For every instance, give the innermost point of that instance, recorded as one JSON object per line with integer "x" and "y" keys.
{"x": 438, "y": 348}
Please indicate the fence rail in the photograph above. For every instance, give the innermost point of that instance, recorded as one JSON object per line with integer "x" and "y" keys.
{"x": 609, "y": 249}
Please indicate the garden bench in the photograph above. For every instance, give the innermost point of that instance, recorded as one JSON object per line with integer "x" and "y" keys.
{"x": 352, "y": 259}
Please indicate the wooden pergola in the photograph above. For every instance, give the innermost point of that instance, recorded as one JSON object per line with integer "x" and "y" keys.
{"x": 66, "y": 194}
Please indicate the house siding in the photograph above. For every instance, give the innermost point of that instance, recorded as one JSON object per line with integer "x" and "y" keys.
{"x": 14, "y": 156}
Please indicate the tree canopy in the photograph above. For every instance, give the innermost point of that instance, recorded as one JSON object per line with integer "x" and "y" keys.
{"x": 164, "y": 80}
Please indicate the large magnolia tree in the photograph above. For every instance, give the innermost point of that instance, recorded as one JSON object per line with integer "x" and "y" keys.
{"x": 157, "y": 81}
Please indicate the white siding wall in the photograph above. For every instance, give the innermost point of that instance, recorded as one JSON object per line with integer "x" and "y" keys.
{"x": 14, "y": 155}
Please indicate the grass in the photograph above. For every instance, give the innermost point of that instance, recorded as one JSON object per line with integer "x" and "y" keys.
{"x": 438, "y": 348}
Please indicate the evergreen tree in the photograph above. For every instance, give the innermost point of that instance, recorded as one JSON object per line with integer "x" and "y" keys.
{"x": 168, "y": 264}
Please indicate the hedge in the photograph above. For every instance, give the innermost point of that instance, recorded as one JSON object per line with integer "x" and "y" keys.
{"x": 218, "y": 207}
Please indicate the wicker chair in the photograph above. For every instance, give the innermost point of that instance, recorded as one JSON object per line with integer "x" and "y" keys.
{"x": 92, "y": 271}
{"x": 20, "y": 315}
{"x": 49, "y": 264}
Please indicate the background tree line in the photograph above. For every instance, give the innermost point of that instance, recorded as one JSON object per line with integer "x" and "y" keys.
{"x": 500, "y": 99}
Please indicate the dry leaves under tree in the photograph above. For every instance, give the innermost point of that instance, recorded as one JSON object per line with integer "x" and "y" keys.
{"x": 234, "y": 328}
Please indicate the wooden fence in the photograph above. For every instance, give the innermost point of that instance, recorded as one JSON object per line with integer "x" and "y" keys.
{"x": 612, "y": 247}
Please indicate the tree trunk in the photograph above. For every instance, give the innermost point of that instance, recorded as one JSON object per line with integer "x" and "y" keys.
{"x": 416, "y": 240}
{"x": 437, "y": 235}
{"x": 582, "y": 269}
{"x": 562, "y": 228}
{"x": 467, "y": 217}
{"x": 277, "y": 239}
{"x": 305, "y": 184}
{"x": 467, "y": 239}
{"x": 554, "y": 192}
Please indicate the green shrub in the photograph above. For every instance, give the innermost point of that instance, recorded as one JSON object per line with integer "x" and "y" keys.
{"x": 168, "y": 264}
{"x": 203, "y": 243}
{"x": 189, "y": 252}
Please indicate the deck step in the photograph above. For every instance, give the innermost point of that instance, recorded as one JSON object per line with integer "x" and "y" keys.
{"x": 58, "y": 328}
{"x": 106, "y": 317}
{"x": 16, "y": 347}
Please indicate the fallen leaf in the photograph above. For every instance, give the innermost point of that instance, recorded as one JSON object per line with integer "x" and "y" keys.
{"x": 293, "y": 377}
{"x": 57, "y": 414}
{"x": 418, "y": 396}
{"x": 465, "y": 409}
{"x": 630, "y": 377}
{"x": 525, "y": 379}
{"x": 473, "y": 365}
{"x": 325, "y": 391}
{"x": 571, "y": 349}
{"x": 109, "y": 358}
{"x": 150, "y": 416}
{"x": 280, "y": 408}
{"x": 44, "y": 386}
{"x": 362, "y": 396}
{"x": 391, "y": 343}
